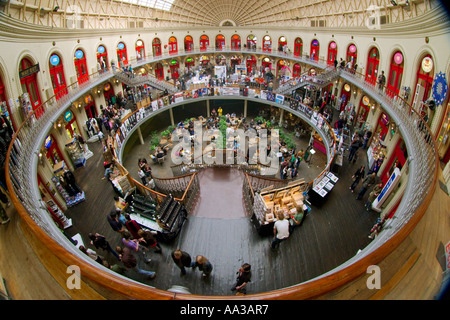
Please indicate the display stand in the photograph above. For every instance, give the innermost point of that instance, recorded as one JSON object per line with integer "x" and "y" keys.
{"x": 58, "y": 170}
{"x": 66, "y": 222}
{"x": 76, "y": 153}
{"x": 319, "y": 193}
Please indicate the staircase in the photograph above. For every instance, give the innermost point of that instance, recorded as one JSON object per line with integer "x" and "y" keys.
{"x": 321, "y": 80}
{"x": 139, "y": 80}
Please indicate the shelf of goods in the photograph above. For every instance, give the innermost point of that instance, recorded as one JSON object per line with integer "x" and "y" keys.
{"x": 76, "y": 153}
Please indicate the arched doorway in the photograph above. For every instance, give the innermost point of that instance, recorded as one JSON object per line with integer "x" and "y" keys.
{"x": 188, "y": 44}
{"x": 159, "y": 71}
{"x": 108, "y": 92}
{"x": 204, "y": 42}
{"x": 28, "y": 81}
{"x": 345, "y": 96}
{"x": 235, "y": 42}
{"x": 315, "y": 47}
{"x": 173, "y": 45}
{"x": 251, "y": 42}
{"x": 373, "y": 60}
{"x": 220, "y": 42}
{"x": 251, "y": 64}
{"x": 424, "y": 83}
{"x": 332, "y": 53}
{"x": 102, "y": 57}
{"x": 395, "y": 74}
{"x": 281, "y": 43}
{"x": 296, "y": 70}
{"x": 81, "y": 66}
{"x": 156, "y": 47}
{"x": 363, "y": 112}
{"x": 235, "y": 60}
{"x": 52, "y": 151}
{"x": 140, "y": 49}
{"x": 352, "y": 55}
{"x": 298, "y": 47}
{"x": 397, "y": 160}
{"x": 91, "y": 110}
{"x": 189, "y": 63}
{"x": 57, "y": 76}
{"x": 267, "y": 44}
{"x": 174, "y": 67}
{"x": 122, "y": 53}
{"x": 5, "y": 107}
{"x": 71, "y": 126}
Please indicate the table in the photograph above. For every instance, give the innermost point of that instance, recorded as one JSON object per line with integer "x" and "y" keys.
{"x": 321, "y": 191}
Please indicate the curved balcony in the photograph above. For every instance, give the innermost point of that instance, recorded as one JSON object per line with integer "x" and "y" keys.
{"x": 22, "y": 162}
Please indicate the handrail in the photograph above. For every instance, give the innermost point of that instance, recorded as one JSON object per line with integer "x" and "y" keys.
{"x": 423, "y": 163}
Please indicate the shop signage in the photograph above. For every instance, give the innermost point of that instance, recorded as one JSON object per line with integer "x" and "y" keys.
{"x": 365, "y": 100}
{"x": 54, "y": 60}
{"x": 352, "y": 48}
{"x": 101, "y": 49}
{"x": 398, "y": 58}
{"x": 88, "y": 99}
{"x": 384, "y": 119}
{"x": 107, "y": 86}
{"x": 29, "y": 71}
{"x": 139, "y": 43}
{"x": 48, "y": 142}
{"x": 315, "y": 43}
{"x": 68, "y": 116}
{"x": 387, "y": 189}
{"x": 347, "y": 87}
{"x": 79, "y": 54}
{"x": 427, "y": 64}
{"x": 120, "y": 46}
{"x": 333, "y": 45}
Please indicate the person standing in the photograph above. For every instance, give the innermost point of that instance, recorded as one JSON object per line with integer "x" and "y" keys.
{"x": 373, "y": 195}
{"x": 130, "y": 262}
{"x": 355, "y": 145}
{"x": 244, "y": 276}
{"x": 280, "y": 230}
{"x": 203, "y": 265}
{"x": 182, "y": 260}
{"x": 132, "y": 226}
{"x": 115, "y": 223}
{"x": 367, "y": 183}
{"x": 147, "y": 239}
{"x": 357, "y": 176}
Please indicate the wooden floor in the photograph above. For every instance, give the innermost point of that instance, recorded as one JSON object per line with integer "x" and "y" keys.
{"x": 329, "y": 236}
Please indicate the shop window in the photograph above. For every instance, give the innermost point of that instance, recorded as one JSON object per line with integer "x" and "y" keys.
{"x": 188, "y": 44}
{"x": 281, "y": 43}
{"x": 395, "y": 74}
{"x": 102, "y": 57}
{"x": 122, "y": 53}
{"x": 204, "y": 42}
{"x": 235, "y": 42}
{"x": 81, "y": 66}
{"x": 251, "y": 42}
{"x": 173, "y": 45}
{"x": 28, "y": 81}
{"x": 298, "y": 47}
{"x": 220, "y": 42}
{"x": 156, "y": 47}
{"x": 352, "y": 55}
{"x": 267, "y": 44}
{"x": 315, "y": 48}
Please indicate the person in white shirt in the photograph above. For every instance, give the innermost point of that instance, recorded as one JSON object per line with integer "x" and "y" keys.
{"x": 280, "y": 230}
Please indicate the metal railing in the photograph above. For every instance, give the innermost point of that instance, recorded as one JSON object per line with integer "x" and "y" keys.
{"x": 23, "y": 153}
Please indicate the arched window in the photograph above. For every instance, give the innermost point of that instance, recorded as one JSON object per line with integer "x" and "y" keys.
{"x": 352, "y": 54}
{"x": 204, "y": 42}
{"x": 315, "y": 46}
{"x": 188, "y": 44}
{"x": 298, "y": 47}
{"x": 122, "y": 53}
{"x": 140, "y": 50}
{"x": 251, "y": 63}
{"x": 81, "y": 69}
{"x": 173, "y": 45}
{"x": 235, "y": 42}
{"x": 56, "y": 69}
{"x": 332, "y": 53}
{"x": 251, "y": 42}
{"x": 373, "y": 60}
{"x": 28, "y": 81}
{"x": 220, "y": 42}
{"x": 267, "y": 44}
{"x": 156, "y": 47}
{"x": 395, "y": 74}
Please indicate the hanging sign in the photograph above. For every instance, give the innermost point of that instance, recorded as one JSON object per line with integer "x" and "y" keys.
{"x": 387, "y": 189}
{"x": 365, "y": 100}
{"x": 107, "y": 86}
{"x": 440, "y": 88}
{"x": 68, "y": 116}
{"x": 88, "y": 99}
{"x": 29, "y": 71}
{"x": 347, "y": 87}
{"x": 48, "y": 142}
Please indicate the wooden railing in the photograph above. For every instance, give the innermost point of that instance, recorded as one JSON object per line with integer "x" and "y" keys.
{"x": 40, "y": 230}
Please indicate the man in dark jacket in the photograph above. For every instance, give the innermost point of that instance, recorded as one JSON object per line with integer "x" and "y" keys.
{"x": 182, "y": 260}
{"x": 367, "y": 183}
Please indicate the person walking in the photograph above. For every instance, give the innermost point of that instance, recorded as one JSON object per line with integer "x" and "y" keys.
{"x": 280, "y": 230}
{"x": 99, "y": 241}
{"x": 203, "y": 265}
{"x": 182, "y": 260}
{"x": 367, "y": 183}
{"x": 147, "y": 239}
{"x": 357, "y": 176}
{"x": 244, "y": 276}
{"x": 133, "y": 245}
{"x": 130, "y": 262}
{"x": 355, "y": 145}
{"x": 115, "y": 223}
